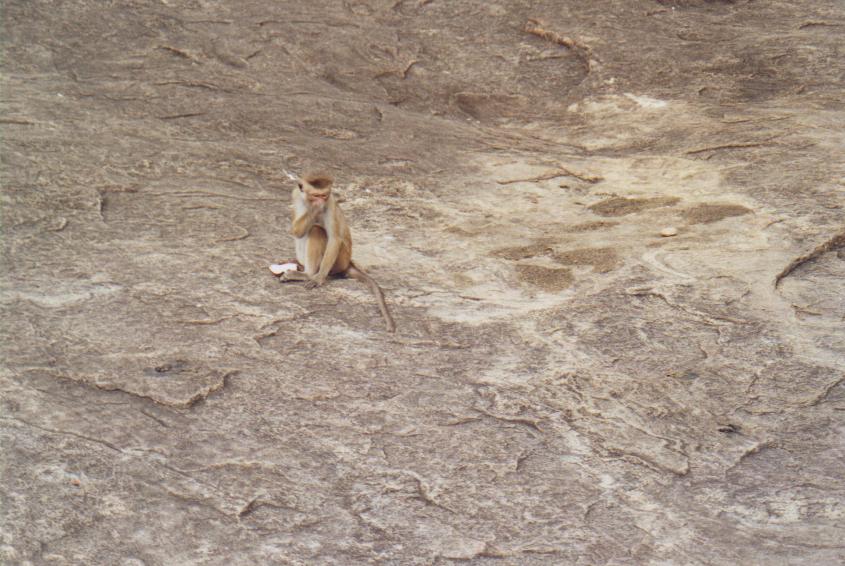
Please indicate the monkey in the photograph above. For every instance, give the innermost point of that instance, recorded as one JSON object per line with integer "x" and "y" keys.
{"x": 323, "y": 239}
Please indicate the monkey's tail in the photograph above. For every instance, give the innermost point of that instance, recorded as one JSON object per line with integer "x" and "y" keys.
{"x": 356, "y": 273}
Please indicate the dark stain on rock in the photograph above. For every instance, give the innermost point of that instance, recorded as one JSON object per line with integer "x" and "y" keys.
{"x": 546, "y": 278}
{"x": 590, "y": 226}
{"x": 176, "y": 366}
{"x": 621, "y": 206}
{"x": 601, "y": 259}
{"x": 708, "y": 213}
{"x": 729, "y": 428}
{"x": 486, "y": 106}
{"x": 522, "y": 252}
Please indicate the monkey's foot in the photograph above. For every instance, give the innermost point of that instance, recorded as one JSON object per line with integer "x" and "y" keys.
{"x": 314, "y": 283}
{"x": 293, "y": 275}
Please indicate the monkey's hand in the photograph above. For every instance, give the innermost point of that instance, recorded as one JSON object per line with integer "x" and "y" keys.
{"x": 317, "y": 205}
{"x": 315, "y": 282}
{"x": 303, "y": 224}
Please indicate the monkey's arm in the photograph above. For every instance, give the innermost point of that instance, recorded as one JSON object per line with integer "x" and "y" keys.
{"x": 302, "y": 224}
{"x": 328, "y": 261}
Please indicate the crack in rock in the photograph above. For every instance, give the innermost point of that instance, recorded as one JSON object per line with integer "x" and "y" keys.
{"x": 835, "y": 242}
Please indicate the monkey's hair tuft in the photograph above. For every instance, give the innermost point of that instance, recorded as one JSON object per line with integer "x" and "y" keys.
{"x": 318, "y": 180}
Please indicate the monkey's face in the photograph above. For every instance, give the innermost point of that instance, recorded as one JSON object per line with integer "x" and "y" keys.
{"x": 315, "y": 197}
{"x": 316, "y": 191}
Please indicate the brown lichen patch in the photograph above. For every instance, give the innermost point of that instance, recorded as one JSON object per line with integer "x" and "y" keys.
{"x": 546, "y": 278}
{"x": 590, "y": 226}
{"x": 707, "y": 213}
{"x": 602, "y": 260}
{"x": 620, "y": 206}
{"x": 521, "y": 252}
{"x": 458, "y": 231}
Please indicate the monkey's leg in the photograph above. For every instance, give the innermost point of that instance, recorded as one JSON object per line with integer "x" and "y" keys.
{"x": 332, "y": 250}
{"x": 293, "y": 276}
{"x": 317, "y": 240}
{"x": 343, "y": 261}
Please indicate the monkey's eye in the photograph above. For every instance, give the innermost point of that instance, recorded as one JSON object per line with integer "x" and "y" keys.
{"x": 300, "y": 186}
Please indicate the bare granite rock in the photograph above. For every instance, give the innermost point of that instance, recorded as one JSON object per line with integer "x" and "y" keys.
{"x": 566, "y": 385}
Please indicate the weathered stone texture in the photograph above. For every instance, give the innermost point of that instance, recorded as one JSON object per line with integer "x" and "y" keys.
{"x": 566, "y": 385}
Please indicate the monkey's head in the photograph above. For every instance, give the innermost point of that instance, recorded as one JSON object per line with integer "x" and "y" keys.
{"x": 316, "y": 188}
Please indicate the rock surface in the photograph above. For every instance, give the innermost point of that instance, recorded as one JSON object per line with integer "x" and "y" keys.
{"x": 565, "y": 387}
